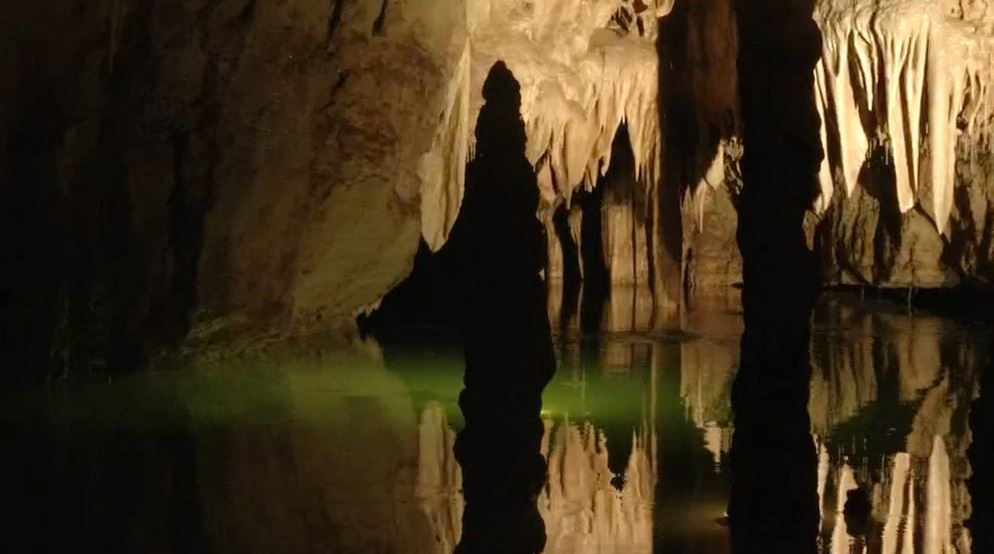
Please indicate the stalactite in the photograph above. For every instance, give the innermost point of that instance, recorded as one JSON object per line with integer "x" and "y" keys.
{"x": 442, "y": 168}
{"x": 846, "y": 482}
{"x": 938, "y": 516}
{"x": 824, "y": 462}
{"x": 907, "y": 81}
{"x": 901, "y": 467}
{"x": 582, "y": 75}
{"x": 581, "y": 79}
{"x": 896, "y": 71}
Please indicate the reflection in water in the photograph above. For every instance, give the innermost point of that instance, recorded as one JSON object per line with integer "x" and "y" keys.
{"x": 582, "y": 507}
{"x": 898, "y": 429}
{"x": 297, "y": 452}
{"x": 585, "y": 512}
{"x": 981, "y": 454}
{"x": 890, "y": 398}
{"x": 439, "y": 478}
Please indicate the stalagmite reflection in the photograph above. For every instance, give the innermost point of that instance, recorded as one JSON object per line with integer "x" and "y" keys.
{"x": 587, "y": 505}
{"x": 439, "y": 478}
{"x": 582, "y": 507}
{"x": 584, "y": 511}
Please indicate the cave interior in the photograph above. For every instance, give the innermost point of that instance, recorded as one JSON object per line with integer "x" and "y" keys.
{"x": 513, "y": 276}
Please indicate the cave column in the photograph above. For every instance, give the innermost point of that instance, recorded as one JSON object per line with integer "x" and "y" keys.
{"x": 774, "y": 493}
{"x": 779, "y": 47}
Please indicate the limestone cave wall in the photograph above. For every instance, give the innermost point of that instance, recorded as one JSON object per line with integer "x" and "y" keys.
{"x": 225, "y": 163}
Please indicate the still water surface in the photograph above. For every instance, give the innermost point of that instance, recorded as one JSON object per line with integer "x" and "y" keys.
{"x": 351, "y": 450}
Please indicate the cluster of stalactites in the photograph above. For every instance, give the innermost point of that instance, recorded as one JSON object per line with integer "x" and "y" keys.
{"x": 585, "y": 67}
{"x": 910, "y": 78}
{"x": 573, "y": 135}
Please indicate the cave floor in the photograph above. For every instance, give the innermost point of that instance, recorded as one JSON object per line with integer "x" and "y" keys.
{"x": 351, "y": 451}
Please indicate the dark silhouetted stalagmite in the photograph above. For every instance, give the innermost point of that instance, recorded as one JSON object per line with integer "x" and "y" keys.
{"x": 509, "y": 357}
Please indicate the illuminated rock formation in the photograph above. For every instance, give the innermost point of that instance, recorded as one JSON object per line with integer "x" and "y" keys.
{"x": 891, "y": 71}
{"x": 903, "y": 89}
{"x": 276, "y": 165}
{"x": 583, "y": 511}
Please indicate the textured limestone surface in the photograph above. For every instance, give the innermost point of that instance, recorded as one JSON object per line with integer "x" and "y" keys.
{"x": 223, "y": 158}
{"x": 903, "y": 89}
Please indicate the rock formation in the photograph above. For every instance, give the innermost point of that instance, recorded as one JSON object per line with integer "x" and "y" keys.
{"x": 232, "y": 160}
{"x": 903, "y": 89}
{"x": 583, "y": 510}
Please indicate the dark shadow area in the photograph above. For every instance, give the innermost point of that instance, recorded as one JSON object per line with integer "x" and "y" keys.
{"x": 93, "y": 481}
{"x": 572, "y": 277}
{"x": 485, "y": 285}
{"x": 595, "y": 272}
{"x": 428, "y": 299}
{"x": 33, "y": 244}
{"x": 678, "y": 130}
{"x": 102, "y": 198}
{"x": 433, "y": 297}
{"x": 774, "y": 502}
{"x": 596, "y": 281}
{"x": 508, "y": 346}
{"x": 981, "y": 453}
{"x": 877, "y": 179}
